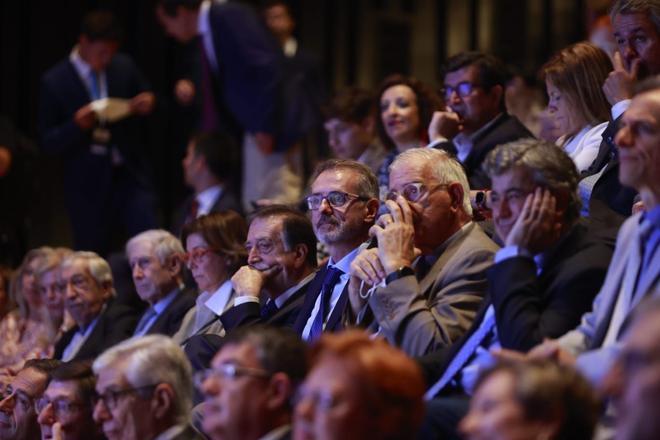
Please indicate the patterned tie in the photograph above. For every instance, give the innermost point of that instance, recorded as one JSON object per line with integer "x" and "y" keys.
{"x": 329, "y": 281}
{"x": 268, "y": 310}
{"x": 464, "y": 354}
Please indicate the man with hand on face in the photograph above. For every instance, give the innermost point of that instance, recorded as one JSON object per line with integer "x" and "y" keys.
{"x": 428, "y": 272}
{"x": 155, "y": 257}
{"x": 86, "y": 280}
{"x": 102, "y": 157}
{"x": 343, "y": 203}
{"x": 544, "y": 277}
{"x": 475, "y": 120}
{"x": 18, "y": 418}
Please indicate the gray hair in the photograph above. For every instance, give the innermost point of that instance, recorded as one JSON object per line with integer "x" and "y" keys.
{"x": 443, "y": 167}
{"x": 150, "y": 360}
{"x": 162, "y": 242}
{"x": 98, "y": 268}
{"x": 367, "y": 182}
{"x": 650, "y": 8}
{"x": 549, "y": 166}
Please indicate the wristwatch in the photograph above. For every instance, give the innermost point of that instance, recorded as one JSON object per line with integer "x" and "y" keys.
{"x": 401, "y": 272}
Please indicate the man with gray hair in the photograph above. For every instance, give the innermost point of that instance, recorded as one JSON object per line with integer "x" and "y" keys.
{"x": 428, "y": 273}
{"x": 155, "y": 258}
{"x": 86, "y": 281}
{"x": 144, "y": 388}
{"x": 543, "y": 279}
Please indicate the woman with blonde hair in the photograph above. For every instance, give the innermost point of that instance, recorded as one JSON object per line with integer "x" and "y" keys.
{"x": 574, "y": 78}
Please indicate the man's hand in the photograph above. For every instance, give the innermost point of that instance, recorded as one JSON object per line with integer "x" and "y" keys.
{"x": 620, "y": 82}
{"x": 143, "y": 103}
{"x": 444, "y": 124}
{"x": 85, "y": 118}
{"x": 5, "y": 161}
{"x": 551, "y": 350}
{"x": 184, "y": 92}
{"x": 536, "y": 227}
{"x": 396, "y": 236}
{"x": 248, "y": 281}
{"x": 367, "y": 268}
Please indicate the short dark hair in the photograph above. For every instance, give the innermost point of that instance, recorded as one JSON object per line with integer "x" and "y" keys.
{"x": 490, "y": 69}
{"x": 44, "y": 366}
{"x": 79, "y": 372}
{"x": 170, "y": 6}
{"x": 220, "y": 152}
{"x": 427, "y": 103}
{"x": 267, "y": 4}
{"x": 351, "y": 104}
{"x": 367, "y": 183}
{"x": 279, "y": 349}
{"x": 101, "y": 26}
{"x": 296, "y": 228}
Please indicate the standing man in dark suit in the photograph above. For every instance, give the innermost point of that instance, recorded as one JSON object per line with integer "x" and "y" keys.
{"x": 475, "y": 120}
{"x": 543, "y": 279}
{"x": 87, "y": 282}
{"x": 155, "y": 258}
{"x": 104, "y": 174}
{"x": 344, "y": 203}
{"x": 209, "y": 169}
{"x": 243, "y": 88}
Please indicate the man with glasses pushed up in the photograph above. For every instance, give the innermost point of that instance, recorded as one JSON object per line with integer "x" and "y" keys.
{"x": 475, "y": 120}
{"x": 343, "y": 204}
{"x": 144, "y": 388}
{"x": 65, "y": 409}
{"x": 427, "y": 277}
{"x": 248, "y": 390}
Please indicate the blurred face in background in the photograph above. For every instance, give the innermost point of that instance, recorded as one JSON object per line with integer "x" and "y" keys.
{"x": 52, "y": 294}
{"x": 208, "y": 266}
{"x": 400, "y": 114}
{"x": 347, "y": 139}
{"x": 567, "y": 121}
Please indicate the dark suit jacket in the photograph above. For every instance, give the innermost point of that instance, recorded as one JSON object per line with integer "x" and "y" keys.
{"x": 115, "y": 324}
{"x": 610, "y": 203}
{"x": 531, "y": 307}
{"x": 169, "y": 321}
{"x": 227, "y": 200}
{"x": 505, "y": 128}
{"x": 336, "y": 320}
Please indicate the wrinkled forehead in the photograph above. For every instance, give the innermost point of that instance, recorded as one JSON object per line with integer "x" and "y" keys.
{"x": 410, "y": 171}
{"x": 338, "y": 179}
{"x": 30, "y": 381}
{"x": 629, "y": 23}
{"x": 265, "y": 227}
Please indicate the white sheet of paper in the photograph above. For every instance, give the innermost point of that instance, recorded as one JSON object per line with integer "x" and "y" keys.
{"x": 111, "y": 109}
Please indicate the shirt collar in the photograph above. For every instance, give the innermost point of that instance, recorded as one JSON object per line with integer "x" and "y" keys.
{"x": 280, "y": 300}
{"x": 207, "y": 198}
{"x": 290, "y": 47}
{"x": 80, "y": 65}
{"x": 345, "y": 263}
{"x": 203, "y": 24}
{"x": 276, "y": 433}
{"x": 220, "y": 298}
{"x": 652, "y": 216}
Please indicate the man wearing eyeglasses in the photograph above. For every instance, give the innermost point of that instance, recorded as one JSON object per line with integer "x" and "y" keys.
{"x": 155, "y": 257}
{"x": 65, "y": 409}
{"x": 18, "y": 418}
{"x": 475, "y": 120}
{"x": 144, "y": 391}
{"x": 343, "y": 204}
{"x": 427, "y": 277}
{"x": 249, "y": 388}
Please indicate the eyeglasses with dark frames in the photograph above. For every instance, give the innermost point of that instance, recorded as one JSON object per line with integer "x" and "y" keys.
{"x": 336, "y": 199}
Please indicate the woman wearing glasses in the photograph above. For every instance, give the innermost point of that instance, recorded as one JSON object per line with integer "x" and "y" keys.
{"x": 574, "y": 78}
{"x": 406, "y": 108}
{"x": 215, "y": 246}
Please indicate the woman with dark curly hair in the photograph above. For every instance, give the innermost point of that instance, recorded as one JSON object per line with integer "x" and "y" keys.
{"x": 406, "y": 108}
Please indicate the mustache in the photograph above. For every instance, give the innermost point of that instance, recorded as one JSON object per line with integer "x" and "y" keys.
{"x": 327, "y": 220}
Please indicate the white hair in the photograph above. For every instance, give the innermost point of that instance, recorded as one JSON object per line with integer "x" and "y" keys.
{"x": 444, "y": 169}
{"x": 162, "y": 243}
{"x": 98, "y": 268}
{"x": 151, "y": 360}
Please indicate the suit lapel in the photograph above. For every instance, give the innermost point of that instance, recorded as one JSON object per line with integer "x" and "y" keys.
{"x": 310, "y": 299}
{"x": 335, "y": 322}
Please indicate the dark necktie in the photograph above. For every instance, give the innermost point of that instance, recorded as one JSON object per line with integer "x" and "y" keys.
{"x": 329, "y": 281}
{"x": 209, "y": 121}
{"x": 268, "y": 310}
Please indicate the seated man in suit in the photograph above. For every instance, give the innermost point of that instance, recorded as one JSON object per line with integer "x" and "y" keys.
{"x": 475, "y": 120}
{"x": 144, "y": 388}
{"x": 350, "y": 125}
{"x": 343, "y": 202}
{"x": 281, "y": 264}
{"x": 544, "y": 277}
{"x": 86, "y": 280}
{"x": 65, "y": 409}
{"x": 429, "y": 226}
{"x": 18, "y": 417}
{"x": 155, "y": 257}
{"x": 248, "y": 390}
{"x": 105, "y": 158}
{"x": 210, "y": 162}
{"x": 635, "y": 270}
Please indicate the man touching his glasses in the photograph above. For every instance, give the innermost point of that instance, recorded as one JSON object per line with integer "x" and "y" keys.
{"x": 431, "y": 260}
